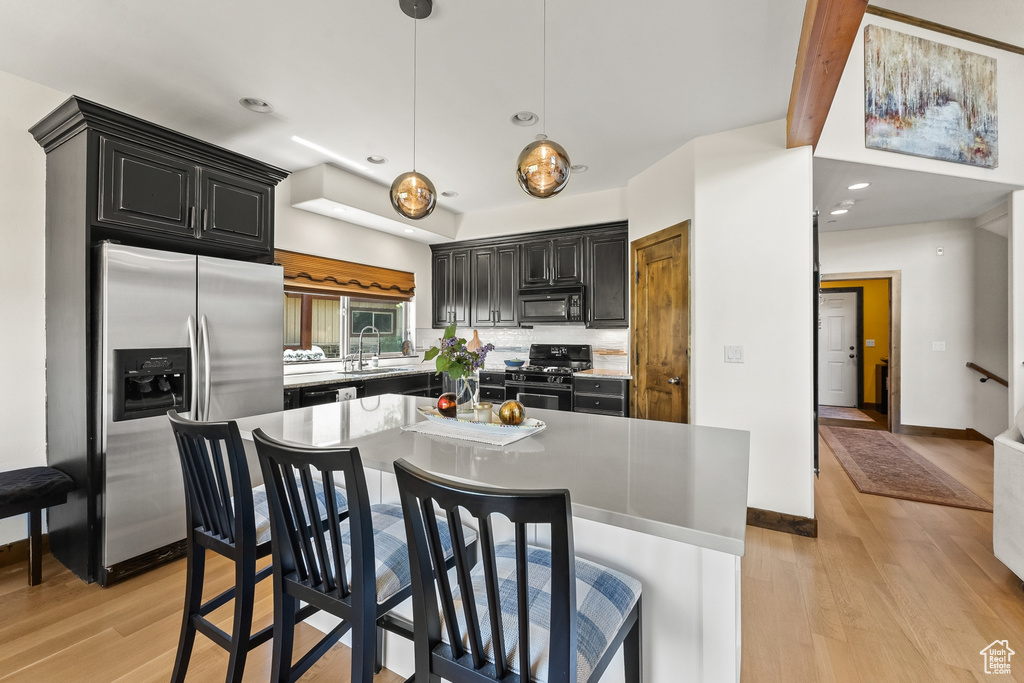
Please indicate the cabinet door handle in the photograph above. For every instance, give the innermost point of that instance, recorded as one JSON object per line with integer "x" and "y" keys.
{"x": 190, "y": 218}
{"x": 206, "y": 219}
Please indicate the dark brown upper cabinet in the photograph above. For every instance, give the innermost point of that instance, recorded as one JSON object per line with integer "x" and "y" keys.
{"x": 608, "y": 279}
{"x": 476, "y": 283}
{"x": 551, "y": 262}
{"x": 150, "y": 186}
{"x": 494, "y": 283}
{"x": 450, "y": 301}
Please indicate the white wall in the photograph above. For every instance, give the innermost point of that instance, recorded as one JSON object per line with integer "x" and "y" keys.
{"x": 843, "y": 134}
{"x": 991, "y": 301}
{"x": 752, "y": 287}
{"x": 560, "y": 211}
{"x": 1015, "y": 311}
{"x": 750, "y": 203}
{"x": 311, "y": 233}
{"x": 936, "y": 306}
{"x": 22, "y": 282}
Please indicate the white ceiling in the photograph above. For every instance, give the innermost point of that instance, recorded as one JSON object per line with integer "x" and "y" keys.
{"x": 628, "y": 82}
{"x": 899, "y": 197}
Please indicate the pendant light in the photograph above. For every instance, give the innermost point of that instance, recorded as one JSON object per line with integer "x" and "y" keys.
{"x": 543, "y": 166}
{"x": 412, "y": 193}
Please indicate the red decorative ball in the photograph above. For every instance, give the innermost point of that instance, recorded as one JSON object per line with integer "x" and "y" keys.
{"x": 446, "y": 405}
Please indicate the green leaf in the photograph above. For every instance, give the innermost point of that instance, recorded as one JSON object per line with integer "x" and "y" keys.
{"x": 431, "y": 354}
{"x": 455, "y": 371}
{"x": 443, "y": 363}
{"x": 449, "y": 331}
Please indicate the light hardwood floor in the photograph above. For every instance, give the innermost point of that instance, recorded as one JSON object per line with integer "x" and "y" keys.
{"x": 891, "y": 590}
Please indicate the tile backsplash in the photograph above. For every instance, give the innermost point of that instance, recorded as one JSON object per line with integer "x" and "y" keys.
{"x": 611, "y": 347}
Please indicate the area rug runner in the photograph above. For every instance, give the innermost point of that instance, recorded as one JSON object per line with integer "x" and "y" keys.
{"x": 841, "y": 413}
{"x": 881, "y": 464}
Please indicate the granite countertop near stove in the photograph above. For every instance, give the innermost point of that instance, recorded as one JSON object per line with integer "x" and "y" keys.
{"x": 603, "y": 374}
{"x": 314, "y": 378}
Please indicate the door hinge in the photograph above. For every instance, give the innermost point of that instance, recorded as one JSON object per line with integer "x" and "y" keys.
{"x": 638, "y": 275}
{"x": 638, "y": 358}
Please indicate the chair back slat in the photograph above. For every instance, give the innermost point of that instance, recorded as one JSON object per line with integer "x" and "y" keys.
{"x": 307, "y": 545}
{"x": 463, "y": 568}
{"x": 421, "y": 493}
{"x": 522, "y": 593}
{"x": 213, "y": 467}
{"x": 493, "y": 599}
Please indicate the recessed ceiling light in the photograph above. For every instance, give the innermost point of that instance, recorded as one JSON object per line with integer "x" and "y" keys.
{"x": 449, "y": 193}
{"x": 377, "y": 159}
{"x": 831, "y": 221}
{"x": 256, "y": 104}
{"x": 524, "y": 118}
{"x": 579, "y": 168}
{"x": 858, "y": 186}
{"x": 839, "y": 212}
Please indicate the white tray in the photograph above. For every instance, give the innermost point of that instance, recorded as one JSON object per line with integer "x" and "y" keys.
{"x": 528, "y": 425}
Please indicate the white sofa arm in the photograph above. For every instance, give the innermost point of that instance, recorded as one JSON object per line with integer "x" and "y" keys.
{"x": 1008, "y": 502}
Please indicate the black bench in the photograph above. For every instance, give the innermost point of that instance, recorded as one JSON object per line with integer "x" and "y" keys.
{"x": 30, "y": 490}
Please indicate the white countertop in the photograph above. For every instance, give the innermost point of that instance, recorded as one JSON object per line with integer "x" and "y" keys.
{"x": 681, "y": 482}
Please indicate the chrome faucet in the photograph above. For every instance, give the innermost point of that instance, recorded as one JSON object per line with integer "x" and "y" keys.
{"x": 368, "y": 327}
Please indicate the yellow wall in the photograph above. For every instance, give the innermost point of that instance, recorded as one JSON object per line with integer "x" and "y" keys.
{"x": 876, "y": 326}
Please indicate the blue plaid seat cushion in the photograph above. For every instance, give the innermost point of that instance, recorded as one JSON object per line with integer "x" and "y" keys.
{"x": 262, "y": 507}
{"x": 391, "y": 551}
{"x": 604, "y": 598}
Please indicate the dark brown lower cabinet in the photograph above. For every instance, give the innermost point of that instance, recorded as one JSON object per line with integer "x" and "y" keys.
{"x": 601, "y": 396}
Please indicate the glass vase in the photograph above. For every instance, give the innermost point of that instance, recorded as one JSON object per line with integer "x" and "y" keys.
{"x": 464, "y": 389}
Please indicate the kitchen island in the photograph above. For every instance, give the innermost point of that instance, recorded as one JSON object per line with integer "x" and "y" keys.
{"x": 664, "y": 502}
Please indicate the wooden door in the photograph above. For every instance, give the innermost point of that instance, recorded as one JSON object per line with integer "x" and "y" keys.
{"x": 661, "y": 326}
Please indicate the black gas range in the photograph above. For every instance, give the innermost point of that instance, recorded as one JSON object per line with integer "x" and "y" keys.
{"x": 546, "y": 382}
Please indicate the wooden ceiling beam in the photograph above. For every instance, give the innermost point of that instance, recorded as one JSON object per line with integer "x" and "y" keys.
{"x": 829, "y": 29}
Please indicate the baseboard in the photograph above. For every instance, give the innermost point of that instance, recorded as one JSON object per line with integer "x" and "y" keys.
{"x": 945, "y": 433}
{"x": 17, "y": 551}
{"x": 975, "y": 435}
{"x": 780, "y": 521}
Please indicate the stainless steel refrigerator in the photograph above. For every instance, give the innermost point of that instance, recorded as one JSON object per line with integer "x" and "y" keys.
{"x": 195, "y": 333}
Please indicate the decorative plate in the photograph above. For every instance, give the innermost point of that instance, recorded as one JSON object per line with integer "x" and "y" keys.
{"x": 529, "y": 424}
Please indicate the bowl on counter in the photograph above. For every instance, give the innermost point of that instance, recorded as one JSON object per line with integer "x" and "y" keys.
{"x": 515, "y": 363}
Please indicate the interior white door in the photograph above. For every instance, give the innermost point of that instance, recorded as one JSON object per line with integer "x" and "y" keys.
{"x": 837, "y": 349}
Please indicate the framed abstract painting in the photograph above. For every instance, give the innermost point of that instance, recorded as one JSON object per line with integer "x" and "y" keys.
{"x": 929, "y": 99}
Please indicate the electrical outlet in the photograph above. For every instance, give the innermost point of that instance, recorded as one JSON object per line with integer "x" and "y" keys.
{"x": 733, "y": 354}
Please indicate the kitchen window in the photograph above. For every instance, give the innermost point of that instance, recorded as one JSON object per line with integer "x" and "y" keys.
{"x": 328, "y": 302}
{"x": 333, "y": 323}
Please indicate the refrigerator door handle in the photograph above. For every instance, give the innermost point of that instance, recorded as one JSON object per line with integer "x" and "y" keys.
{"x": 193, "y": 351}
{"x": 207, "y": 389}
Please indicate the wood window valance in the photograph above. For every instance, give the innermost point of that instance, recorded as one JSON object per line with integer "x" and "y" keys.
{"x": 319, "y": 275}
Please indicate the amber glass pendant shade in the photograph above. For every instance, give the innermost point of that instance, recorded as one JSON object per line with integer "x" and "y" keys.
{"x": 413, "y": 195}
{"x": 543, "y": 168}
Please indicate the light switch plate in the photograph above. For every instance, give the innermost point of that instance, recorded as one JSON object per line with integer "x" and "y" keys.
{"x": 938, "y": 346}
{"x": 733, "y": 354}
{"x": 869, "y": 342}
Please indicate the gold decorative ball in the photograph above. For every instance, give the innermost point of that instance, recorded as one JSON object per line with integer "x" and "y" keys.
{"x": 511, "y": 413}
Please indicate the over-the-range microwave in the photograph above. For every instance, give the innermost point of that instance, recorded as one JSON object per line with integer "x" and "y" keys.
{"x": 551, "y": 305}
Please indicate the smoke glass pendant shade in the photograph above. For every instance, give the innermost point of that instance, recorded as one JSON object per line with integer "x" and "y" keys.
{"x": 413, "y": 195}
{"x": 543, "y": 168}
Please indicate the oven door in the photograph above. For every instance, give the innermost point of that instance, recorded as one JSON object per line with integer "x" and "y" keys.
{"x": 540, "y": 395}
